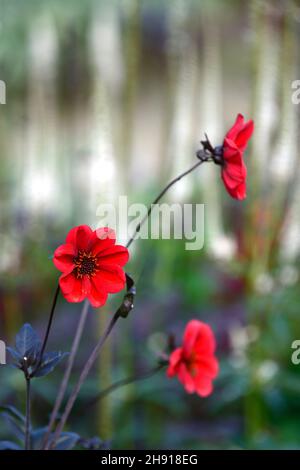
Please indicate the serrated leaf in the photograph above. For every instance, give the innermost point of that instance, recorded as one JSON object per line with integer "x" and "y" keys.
{"x": 49, "y": 362}
{"x": 9, "y": 445}
{"x": 27, "y": 340}
{"x": 67, "y": 441}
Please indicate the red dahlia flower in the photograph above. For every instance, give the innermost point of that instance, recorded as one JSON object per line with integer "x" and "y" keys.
{"x": 194, "y": 362}
{"x": 91, "y": 264}
{"x": 234, "y": 171}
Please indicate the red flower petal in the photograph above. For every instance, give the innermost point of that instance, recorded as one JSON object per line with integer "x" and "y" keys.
{"x": 207, "y": 366}
{"x": 244, "y": 135}
{"x": 71, "y": 287}
{"x": 186, "y": 379}
{"x": 206, "y": 343}
{"x": 97, "y": 297}
{"x": 110, "y": 278}
{"x": 190, "y": 337}
{"x": 174, "y": 361}
{"x": 203, "y": 386}
{"x": 116, "y": 254}
{"x": 64, "y": 257}
{"x": 236, "y": 128}
{"x": 80, "y": 237}
{"x": 105, "y": 238}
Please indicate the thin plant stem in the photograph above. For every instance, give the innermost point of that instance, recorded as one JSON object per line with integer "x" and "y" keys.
{"x": 28, "y": 413}
{"x": 68, "y": 370}
{"x": 121, "y": 383}
{"x": 46, "y": 337}
{"x": 85, "y": 371}
{"x": 158, "y": 198}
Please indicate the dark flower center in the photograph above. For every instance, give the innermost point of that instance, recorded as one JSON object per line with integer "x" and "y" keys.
{"x": 86, "y": 264}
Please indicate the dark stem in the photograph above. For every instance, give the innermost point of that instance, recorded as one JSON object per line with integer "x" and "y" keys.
{"x": 120, "y": 383}
{"x": 65, "y": 380}
{"x": 28, "y": 412}
{"x": 161, "y": 194}
{"x": 85, "y": 371}
{"x": 47, "y": 330}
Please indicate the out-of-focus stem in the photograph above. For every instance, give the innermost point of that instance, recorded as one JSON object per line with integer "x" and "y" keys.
{"x": 28, "y": 417}
{"x": 158, "y": 198}
{"x": 65, "y": 380}
{"x": 121, "y": 383}
{"x": 85, "y": 371}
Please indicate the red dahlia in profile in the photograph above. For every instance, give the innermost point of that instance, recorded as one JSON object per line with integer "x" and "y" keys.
{"x": 91, "y": 264}
{"x": 194, "y": 362}
{"x": 234, "y": 171}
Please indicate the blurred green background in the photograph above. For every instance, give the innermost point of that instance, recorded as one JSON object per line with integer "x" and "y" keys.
{"x": 109, "y": 98}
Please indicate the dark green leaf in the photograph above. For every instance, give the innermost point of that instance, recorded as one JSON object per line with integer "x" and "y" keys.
{"x": 67, "y": 441}
{"x": 12, "y": 411}
{"x": 49, "y": 362}
{"x": 8, "y": 445}
{"x": 14, "y": 354}
{"x": 16, "y": 428}
{"x": 27, "y": 340}
{"x": 37, "y": 437}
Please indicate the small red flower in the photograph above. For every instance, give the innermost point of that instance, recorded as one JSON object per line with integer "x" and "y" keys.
{"x": 234, "y": 171}
{"x": 194, "y": 362}
{"x": 91, "y": 264}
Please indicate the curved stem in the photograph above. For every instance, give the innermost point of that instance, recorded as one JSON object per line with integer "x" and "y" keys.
{"x": 121, "y": 383}
{"x": 28, "y": 417}
{"x": 65, "y": 380}
{"x": 161, "y": 194}
{"x": 48, "y": 329}
{"x": 85, "y": 371}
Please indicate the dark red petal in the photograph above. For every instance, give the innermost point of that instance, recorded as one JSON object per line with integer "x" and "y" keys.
{"x": 244, "y": 135}
{"x": 206, "y": 343}
{"x": 105, "y": 238}
{"x": 241, "y": 192}
{"x": 207, "y": 365}
{"x": 71, "y": 287}
{"x": 236, "y": 128}
{"x": 185, "y": 378}
{"x": 110, "y": 278}
{"x": 191, "y": 333}
{"x": 97, "y": 297}
{"x": 116, "y": 254}
{"x": 203, "y": 386}
{"x": 63, "y": 257}
{"x": 231, "y": 153}
{"x": 235, "y": 188}
{"x": 174, "y": 361}
{"x": 80, "y": 237}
